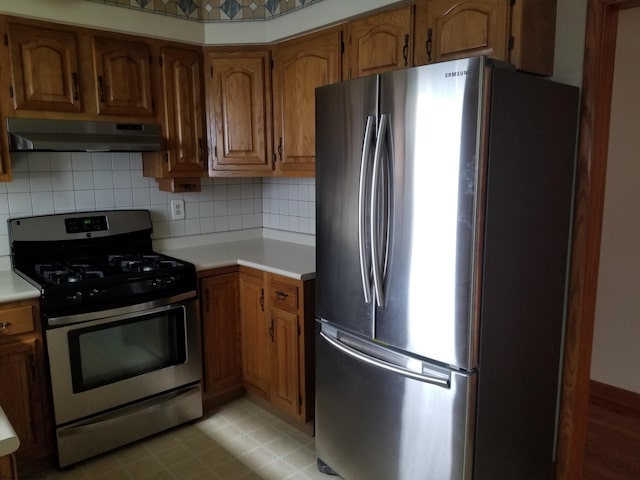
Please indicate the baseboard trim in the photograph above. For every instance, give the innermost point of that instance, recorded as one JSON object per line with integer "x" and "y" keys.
{"x": 615, "y": 398}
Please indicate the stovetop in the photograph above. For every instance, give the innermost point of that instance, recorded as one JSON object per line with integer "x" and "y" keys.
{"x": 82, "y": 270}
{"x": 90, "y": 261}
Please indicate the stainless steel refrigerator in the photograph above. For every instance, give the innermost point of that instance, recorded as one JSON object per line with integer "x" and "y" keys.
{"x": 444, "y": 204}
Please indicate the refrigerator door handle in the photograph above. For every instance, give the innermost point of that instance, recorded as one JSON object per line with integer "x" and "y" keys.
{"x": 377, "y": 260}
{"x": 443, "y": 381}
{"x": 365, "y": 267}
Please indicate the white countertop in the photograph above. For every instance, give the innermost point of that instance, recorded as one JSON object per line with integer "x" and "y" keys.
{"x": 14, "y": 288}
{"x": 275, "y": 256}
{"x": 264, "y": 250}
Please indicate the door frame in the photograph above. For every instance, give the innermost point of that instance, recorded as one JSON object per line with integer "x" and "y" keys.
{"x": 593, "y": 143}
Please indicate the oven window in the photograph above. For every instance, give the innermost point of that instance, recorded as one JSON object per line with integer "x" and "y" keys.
{"x": 115, "y": 351}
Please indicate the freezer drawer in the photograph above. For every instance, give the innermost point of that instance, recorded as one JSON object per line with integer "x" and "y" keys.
{"x": 375, "y": 423}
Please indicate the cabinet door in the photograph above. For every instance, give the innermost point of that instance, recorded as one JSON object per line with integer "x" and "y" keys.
{"x": 380, "y": 43}
{"x": 221, "y": 334}
{"x": 301, "y": 65}
{"x": 449, "y": 29}
{"x": 181, "y": 74}
{"x": 285, "y": 381}
{"x": 7, "y": 468}
{"x": 123, "y": 77}
{"x": 255, "y": 334}
{"x": 20, "y": 402}
{"x": 239, "y": 101}
{"x": 44, "y": 65}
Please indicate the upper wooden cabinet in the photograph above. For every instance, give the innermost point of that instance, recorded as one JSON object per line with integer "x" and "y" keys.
{"x": 123, "y": 77}
{"x": 533, "y": 33}
{"x": 301, "y": 65}
{"x": 380, "y": 42}
{"x": 183, "y": 121}
{"x": 45, "y": 71}
{"x": 183, "y": 102}
{"x": 78, "y": 73}
{"x": 238, "y": 90}
{"x": 521, "y": 32}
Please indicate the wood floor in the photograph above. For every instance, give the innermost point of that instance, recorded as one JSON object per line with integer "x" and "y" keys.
{"x": 613, "y": 434}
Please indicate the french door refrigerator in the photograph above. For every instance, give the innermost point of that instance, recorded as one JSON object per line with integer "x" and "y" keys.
{"x": 444, "y": 204}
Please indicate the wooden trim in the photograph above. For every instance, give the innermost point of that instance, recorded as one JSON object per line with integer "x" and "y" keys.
{"x": 599, "y": 57}
{"x": 617, "y": 399}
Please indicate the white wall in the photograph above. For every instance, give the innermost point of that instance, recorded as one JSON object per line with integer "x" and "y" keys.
{"x": 616, "y": 346}
{"x": 571, "y": 21}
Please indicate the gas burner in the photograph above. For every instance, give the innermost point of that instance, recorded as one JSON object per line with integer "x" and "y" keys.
{"x": 59, "y": 274}
{"x": 59, "y": 277}
{"x": 142, "y": 262}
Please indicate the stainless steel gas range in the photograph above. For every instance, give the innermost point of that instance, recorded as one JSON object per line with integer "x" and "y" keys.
{"x": 121, "y": 327}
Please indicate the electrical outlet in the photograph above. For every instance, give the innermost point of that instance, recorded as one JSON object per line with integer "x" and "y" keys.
{"x": 177, "y": 209}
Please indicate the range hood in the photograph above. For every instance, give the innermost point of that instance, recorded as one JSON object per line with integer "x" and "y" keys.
{"x": 81, "y": 136}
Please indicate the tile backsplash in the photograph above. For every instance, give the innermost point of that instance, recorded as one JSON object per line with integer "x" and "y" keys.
{"x": 58, "y": 182}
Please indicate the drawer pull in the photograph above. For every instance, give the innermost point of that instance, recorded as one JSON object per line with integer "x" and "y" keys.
{"x": 4, "y": 325}
{"x": 281, "y": 295}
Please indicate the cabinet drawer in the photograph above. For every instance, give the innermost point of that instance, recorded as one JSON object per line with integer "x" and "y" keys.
{"x": 284, "y": 296}
{"x": 16, "y": 320}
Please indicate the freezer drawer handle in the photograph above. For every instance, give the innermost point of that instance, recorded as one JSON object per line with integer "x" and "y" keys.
{"x": 375, "y": 362}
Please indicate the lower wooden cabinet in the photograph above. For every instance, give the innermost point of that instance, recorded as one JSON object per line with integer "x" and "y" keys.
{"x": 255, "y": 331}
{"x": 220, "y": 310}
{"x": 277, "y": 340}
{"x": 258, "y": 336}
{"x": 7, "y": 468}
{"x": 23, "y": 395}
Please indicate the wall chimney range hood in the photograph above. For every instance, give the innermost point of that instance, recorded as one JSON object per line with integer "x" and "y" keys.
{"x": 81, "y": 136}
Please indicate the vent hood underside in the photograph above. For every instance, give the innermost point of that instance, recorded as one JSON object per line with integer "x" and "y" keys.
{"x": 81, "y": 136}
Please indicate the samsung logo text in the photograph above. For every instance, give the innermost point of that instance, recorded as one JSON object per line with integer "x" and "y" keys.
{"x": 459, "y": 73}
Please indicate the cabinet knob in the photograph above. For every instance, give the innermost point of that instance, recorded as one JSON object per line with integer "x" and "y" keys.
{"x": 4, "y": 325}
{"x": 428, "y": 44}
{"x": 281, "y": 295}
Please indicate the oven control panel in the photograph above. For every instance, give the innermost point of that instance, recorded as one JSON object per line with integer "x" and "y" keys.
{"x": 86, "y": 224}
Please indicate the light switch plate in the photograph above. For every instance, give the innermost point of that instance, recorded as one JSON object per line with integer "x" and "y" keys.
{"x": 177, "y": 209}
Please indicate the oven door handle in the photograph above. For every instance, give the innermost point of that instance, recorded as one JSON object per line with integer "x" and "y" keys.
{"x": 134, "y": 411}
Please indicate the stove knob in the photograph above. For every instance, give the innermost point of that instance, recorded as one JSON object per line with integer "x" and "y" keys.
{"x": 76, "y": 297}
{"x": 155, "y": 283}
{"x": 95, "y": 292}
{"x": 169, "y": 282}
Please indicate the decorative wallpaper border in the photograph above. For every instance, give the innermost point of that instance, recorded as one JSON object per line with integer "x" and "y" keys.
{"x": 214, "y": 10}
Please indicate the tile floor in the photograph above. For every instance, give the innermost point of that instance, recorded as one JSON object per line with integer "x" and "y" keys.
{"x": 237, "y": 441}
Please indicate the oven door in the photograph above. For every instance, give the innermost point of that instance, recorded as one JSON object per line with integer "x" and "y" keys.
{"x": 108, "y": 359}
